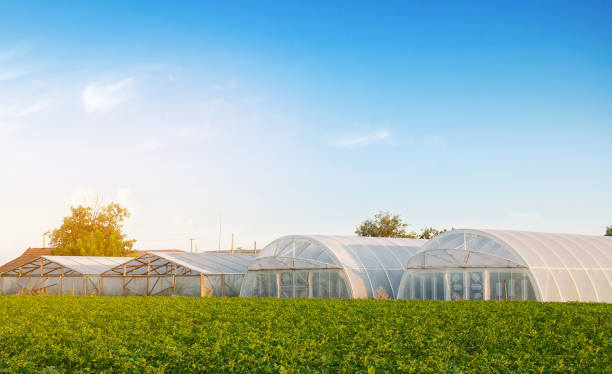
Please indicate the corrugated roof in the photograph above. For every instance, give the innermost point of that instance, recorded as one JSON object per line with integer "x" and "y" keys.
{"x": 88, "y": 265}
{"x": 197, "y": 263}
{"x": 29, "y": 255}
{"x": 140, "y": 252}
{"x": 212, "y": 263}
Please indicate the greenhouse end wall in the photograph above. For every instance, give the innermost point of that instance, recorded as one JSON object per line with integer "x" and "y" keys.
{"x": 468, "y": 284}
{"x": 292, "y": 283}
{"x": 511, "y": 265}
{"x": 330, "y": 266}
{"x": 193, "y": 286}
{"x": 36, "y": 285}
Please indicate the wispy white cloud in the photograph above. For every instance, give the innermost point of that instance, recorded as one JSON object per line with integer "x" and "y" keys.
{"x": 228, "y": 85}
{"x": 14, "y": 112}
{"x": 101, "y": 98}
{"x": 436, "y": 141}
{"x": 11, "y": 68}
{"x": 356, "y": 141}
{"x": 15, "y": 51}
{"x": 7, "y": 74}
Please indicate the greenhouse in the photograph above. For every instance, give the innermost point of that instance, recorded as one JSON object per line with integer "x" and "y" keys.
{"x": 180, "y": 274}
{"x": 329, "y": 267}
{"x": 58, "y": 275}
{"x": 510, "y": 265}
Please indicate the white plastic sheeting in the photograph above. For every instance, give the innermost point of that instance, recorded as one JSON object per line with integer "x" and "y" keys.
{"x": 563, "y": 267}
{"x": 88, "y": 265}
{"x": 212, "y": 263}
{"x": 81, "y": 265}
{"x": 192, "y": 263}
{"x": 371, "y": 266}
{"x": 184, "y": 274}
{"x": 58, "y": 275}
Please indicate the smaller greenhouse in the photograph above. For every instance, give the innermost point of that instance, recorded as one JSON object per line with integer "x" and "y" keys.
{"x": 180, "y": 274}
{"x": 325, "y": 266}
{"x": 58, "y": 275}
{"x": 510, "y": 265}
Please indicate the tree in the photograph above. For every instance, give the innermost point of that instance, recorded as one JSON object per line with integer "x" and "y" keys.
{"x": 430, "y": 232}
{"x": 92, "y": 231}
{"x": 609, "y": 231}
{"x": 385, "y": 224}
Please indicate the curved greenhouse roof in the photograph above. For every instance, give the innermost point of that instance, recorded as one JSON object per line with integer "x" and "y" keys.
{"x": 564, "y": 267}
{"x": 370, "y": 266}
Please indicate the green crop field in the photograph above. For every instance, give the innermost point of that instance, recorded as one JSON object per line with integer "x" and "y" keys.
{"x": 166, "y": 334}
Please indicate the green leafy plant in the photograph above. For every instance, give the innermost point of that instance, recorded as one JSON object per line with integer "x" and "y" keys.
{"x": 65, "y": 334}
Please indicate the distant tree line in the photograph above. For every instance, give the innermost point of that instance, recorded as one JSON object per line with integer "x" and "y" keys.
{"x": 386, "y": 224}
{"x": 609, "y": 231}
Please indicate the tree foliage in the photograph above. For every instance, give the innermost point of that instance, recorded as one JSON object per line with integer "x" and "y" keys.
{"x": 386, "y": 224}
{"x": 383, "y": 224}
{"x": 609, "y": 231}
{"x": 428, "y": 233}
{"x": 92, "y": 231}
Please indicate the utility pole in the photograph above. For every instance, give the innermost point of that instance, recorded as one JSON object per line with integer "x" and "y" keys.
{"x": 219, "y": 232}
{"x": 191, "y": 244}
{"x": 232, "y": 242}
{"x": 44, "y": 237}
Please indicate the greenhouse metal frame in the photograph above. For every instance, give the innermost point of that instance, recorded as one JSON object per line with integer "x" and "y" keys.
{"x": 58, "y": 275}
{"x": 182, "y": 274}
{"x": 326, "y": 266}
{"x": 456, "y": 265}
{"x": 510, "y": 265}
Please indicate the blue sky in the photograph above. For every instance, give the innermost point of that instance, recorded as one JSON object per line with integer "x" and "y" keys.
{"x": 304, "y": 118}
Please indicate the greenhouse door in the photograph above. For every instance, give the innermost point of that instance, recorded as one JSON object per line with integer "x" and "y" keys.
{"x": 455, "y": 279}
{"x": 476, "y": 290}
{"x": 286, "y": 284}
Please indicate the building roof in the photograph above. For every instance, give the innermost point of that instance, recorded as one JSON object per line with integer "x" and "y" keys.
{"x": 27, "y": 256}
{"x": 67, "y": 265}
{"x": 564, "y": 266}
{"x": 370, "y": 263}
{"x": 140, "y": 252}
{"x": 185, "y": 263}
{"x": 31, "y": 254}
{"x": 343, "y": 251}
{"x": 88, "y": 265}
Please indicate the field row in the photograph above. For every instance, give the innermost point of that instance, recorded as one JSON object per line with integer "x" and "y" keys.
{"x": 134, "y": 334}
